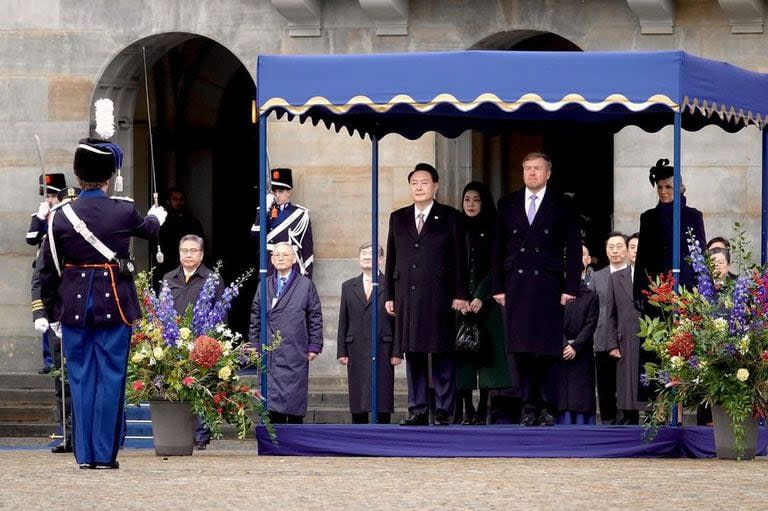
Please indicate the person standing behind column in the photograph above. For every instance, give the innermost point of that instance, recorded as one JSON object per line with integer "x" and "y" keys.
{"x": 87, "y": 285}
{"x": 536, "y": 270}
{"x": 426, "y": 283}
{"x": 287, "y": 222}
{"x": 294, "y": 311}
{"x": 354, "y": 342}
{"x": 606, "y": 343}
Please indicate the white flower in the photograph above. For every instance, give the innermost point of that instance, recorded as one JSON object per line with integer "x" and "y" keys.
{"x": 158, "y": 353}
{"x": 721, "y": 325}
{"x": 742, "y": 374}
{"x": 225, "y": 372}
{"x": 744, "y": 344}
{"x": 677, "y": 361}
{"x": 184, "y": 333}
{"x": 137, "y": 357}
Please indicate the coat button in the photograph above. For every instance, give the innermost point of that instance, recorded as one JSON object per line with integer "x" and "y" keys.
{"x": 535, "y": 272}
{"x": 520, "y": 271}
{"x": 106, "y": 274}
{"x": 413, "y": 287}
{"x": 77, "y": 317}
{"x": 106, "y": 295}
{"x": 415, "y": 245}
{"x": 109, "y": 316}
{"x": 522, "y": 249}
{"x": 514, "y": 231}
{"x": 546, "y": 231}
{"x": 82, "y": 275}
{"x": 79, "y": 296}
{"x": 536, "y": 250}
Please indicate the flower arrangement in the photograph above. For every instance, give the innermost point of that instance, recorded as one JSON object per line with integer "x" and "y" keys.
{"x": 195, "y": 357}
{"x": 711, "y": 342}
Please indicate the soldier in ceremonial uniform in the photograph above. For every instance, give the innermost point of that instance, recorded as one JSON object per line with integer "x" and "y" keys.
{"x": 87, "y": 286}
{"x": 40, "y": 318}
{"x": 38, "y": 226}
{"x": 287, "y": 222}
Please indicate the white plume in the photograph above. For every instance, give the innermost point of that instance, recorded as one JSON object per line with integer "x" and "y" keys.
{"x": 105, "y": 118}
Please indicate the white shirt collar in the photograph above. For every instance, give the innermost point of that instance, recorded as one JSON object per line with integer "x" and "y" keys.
{"x": 614, "y": 269}
{"x": 539, "y": 196}
{"x": 190, "y": 273}
{"x": 425, "y": 211}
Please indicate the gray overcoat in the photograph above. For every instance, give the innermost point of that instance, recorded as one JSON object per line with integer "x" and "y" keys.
{"x": 628, "y": 319}
{"x": 297, "y": 315}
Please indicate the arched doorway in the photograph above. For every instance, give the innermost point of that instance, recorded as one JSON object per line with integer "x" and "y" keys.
{"x": 200, "y": 98}
{"x": 582, "y": 155}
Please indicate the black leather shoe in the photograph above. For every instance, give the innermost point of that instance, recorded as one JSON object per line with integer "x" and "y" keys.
{"x": 107, "y": 466}
{"x": 546, "y": 419}
{"x": 201, "y": 446}
{"x": 87, "y": 466}
{"x": 61, "y": 448}
{"x": 415, "y": 419}
{"x": 528, "y": 419}
{"x": 441, "y": 420}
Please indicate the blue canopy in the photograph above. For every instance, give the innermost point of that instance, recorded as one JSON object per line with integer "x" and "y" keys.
{"x": 450, "y": 92}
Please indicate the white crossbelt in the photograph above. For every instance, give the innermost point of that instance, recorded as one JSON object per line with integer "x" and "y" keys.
{"x": 86, "y": 233}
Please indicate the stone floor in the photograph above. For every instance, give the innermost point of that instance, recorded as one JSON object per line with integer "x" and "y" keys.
{"x": 230, "y": 475}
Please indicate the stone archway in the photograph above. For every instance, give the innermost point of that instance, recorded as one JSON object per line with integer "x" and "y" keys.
{"x": 583, "y": 157}
{"x": 200, "y": 97}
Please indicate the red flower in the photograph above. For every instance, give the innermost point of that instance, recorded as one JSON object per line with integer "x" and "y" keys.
{"x": 764, "y": 355}
{"x": 137, "y": 338}
{"x": 206, "y": 352}
{"x": 663, "y": 290}
{"x": 220, "y": 410}
{"x": 138, "y": 385}
{"x": 188, "y": 381}
{"x": 681, "y": 345}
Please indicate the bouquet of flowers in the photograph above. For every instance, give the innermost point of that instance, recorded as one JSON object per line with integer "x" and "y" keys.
{"x": 195, "y": 357}
{"x": 711, "y": 341}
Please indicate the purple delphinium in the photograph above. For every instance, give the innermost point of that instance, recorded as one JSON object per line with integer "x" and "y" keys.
{"x": 703, "y": 278}
{"x": 204, "y": 305}
{"x": 159, "y": 381}
{"x": 693, "y": 362}
{"x": 730, "y": 349}
{"x": 644, "y": 381}
{"x": 166, "y": 314}
{"x": 223, "y": 304}
{"x": 737, "y": 318}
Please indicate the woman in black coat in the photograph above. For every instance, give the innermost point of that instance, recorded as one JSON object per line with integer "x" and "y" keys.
{"x": 488, "y": 368}
{"x": 577, "y": 376}
{"x": 654, "y": 250}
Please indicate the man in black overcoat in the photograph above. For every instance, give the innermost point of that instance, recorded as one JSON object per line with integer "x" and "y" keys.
{"x": 426, "y": 283}
{"x": 536, "y": 269}
{"x": 354, "y": 342}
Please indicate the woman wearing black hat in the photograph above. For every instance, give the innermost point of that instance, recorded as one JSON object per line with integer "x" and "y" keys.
{"x": 654, "y": 250}
{"x": 489, "y": 366}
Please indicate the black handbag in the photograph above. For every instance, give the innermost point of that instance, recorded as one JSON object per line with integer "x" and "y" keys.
{"x": 468, "y": 337}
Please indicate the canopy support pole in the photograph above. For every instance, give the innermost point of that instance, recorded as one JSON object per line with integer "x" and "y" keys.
{"x": 263, "y": 251}
{"x": 677, "y": 184}
{"x": 764, "y": 202}
{"x": 374, "y": 414}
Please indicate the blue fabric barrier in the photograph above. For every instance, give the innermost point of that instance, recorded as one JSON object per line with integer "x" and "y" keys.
{"x": 490, "y": 441}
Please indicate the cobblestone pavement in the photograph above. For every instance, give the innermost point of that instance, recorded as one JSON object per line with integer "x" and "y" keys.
{"x": 231, "y": 476}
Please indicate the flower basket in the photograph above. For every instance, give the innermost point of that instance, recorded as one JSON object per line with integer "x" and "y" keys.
{"x": 173, "y": 427}
{"x": 711, "y": 346}
{"x": 194, "y": 360}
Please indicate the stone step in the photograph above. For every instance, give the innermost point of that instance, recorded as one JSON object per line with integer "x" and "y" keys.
{"x": 27, "y": 429}
{"x": 25, "y": 381}
{"x": 11, "y": 396}
{"x": 28, "y": 413}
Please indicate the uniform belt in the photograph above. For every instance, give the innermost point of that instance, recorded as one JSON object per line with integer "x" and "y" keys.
{"x": 90, "y": 265}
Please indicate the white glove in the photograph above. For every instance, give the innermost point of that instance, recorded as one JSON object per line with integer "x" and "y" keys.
{"x": 41, "y": 325}
{"x": 270, "y": 200}
{"x": 158, "y": 212}
{"x": 43, "y": 210}
{"x": 56, "y": 327}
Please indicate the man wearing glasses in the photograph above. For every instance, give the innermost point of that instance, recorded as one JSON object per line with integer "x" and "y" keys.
{"x": 293, "y": 311}
{"x": 185, "y": 283}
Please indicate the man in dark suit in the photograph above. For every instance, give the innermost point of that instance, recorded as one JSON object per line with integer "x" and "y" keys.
{"x": 354, "y": 343}
{"x": 87, "y": 286}
{"x": 185, "y": 284}
{"x": 606, "y": 343}
{"x": 536, "y": 269}
{"x": 426, "y": 283}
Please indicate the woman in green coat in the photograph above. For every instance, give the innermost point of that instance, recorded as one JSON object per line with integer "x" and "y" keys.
{"x": 488, "y": 368}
